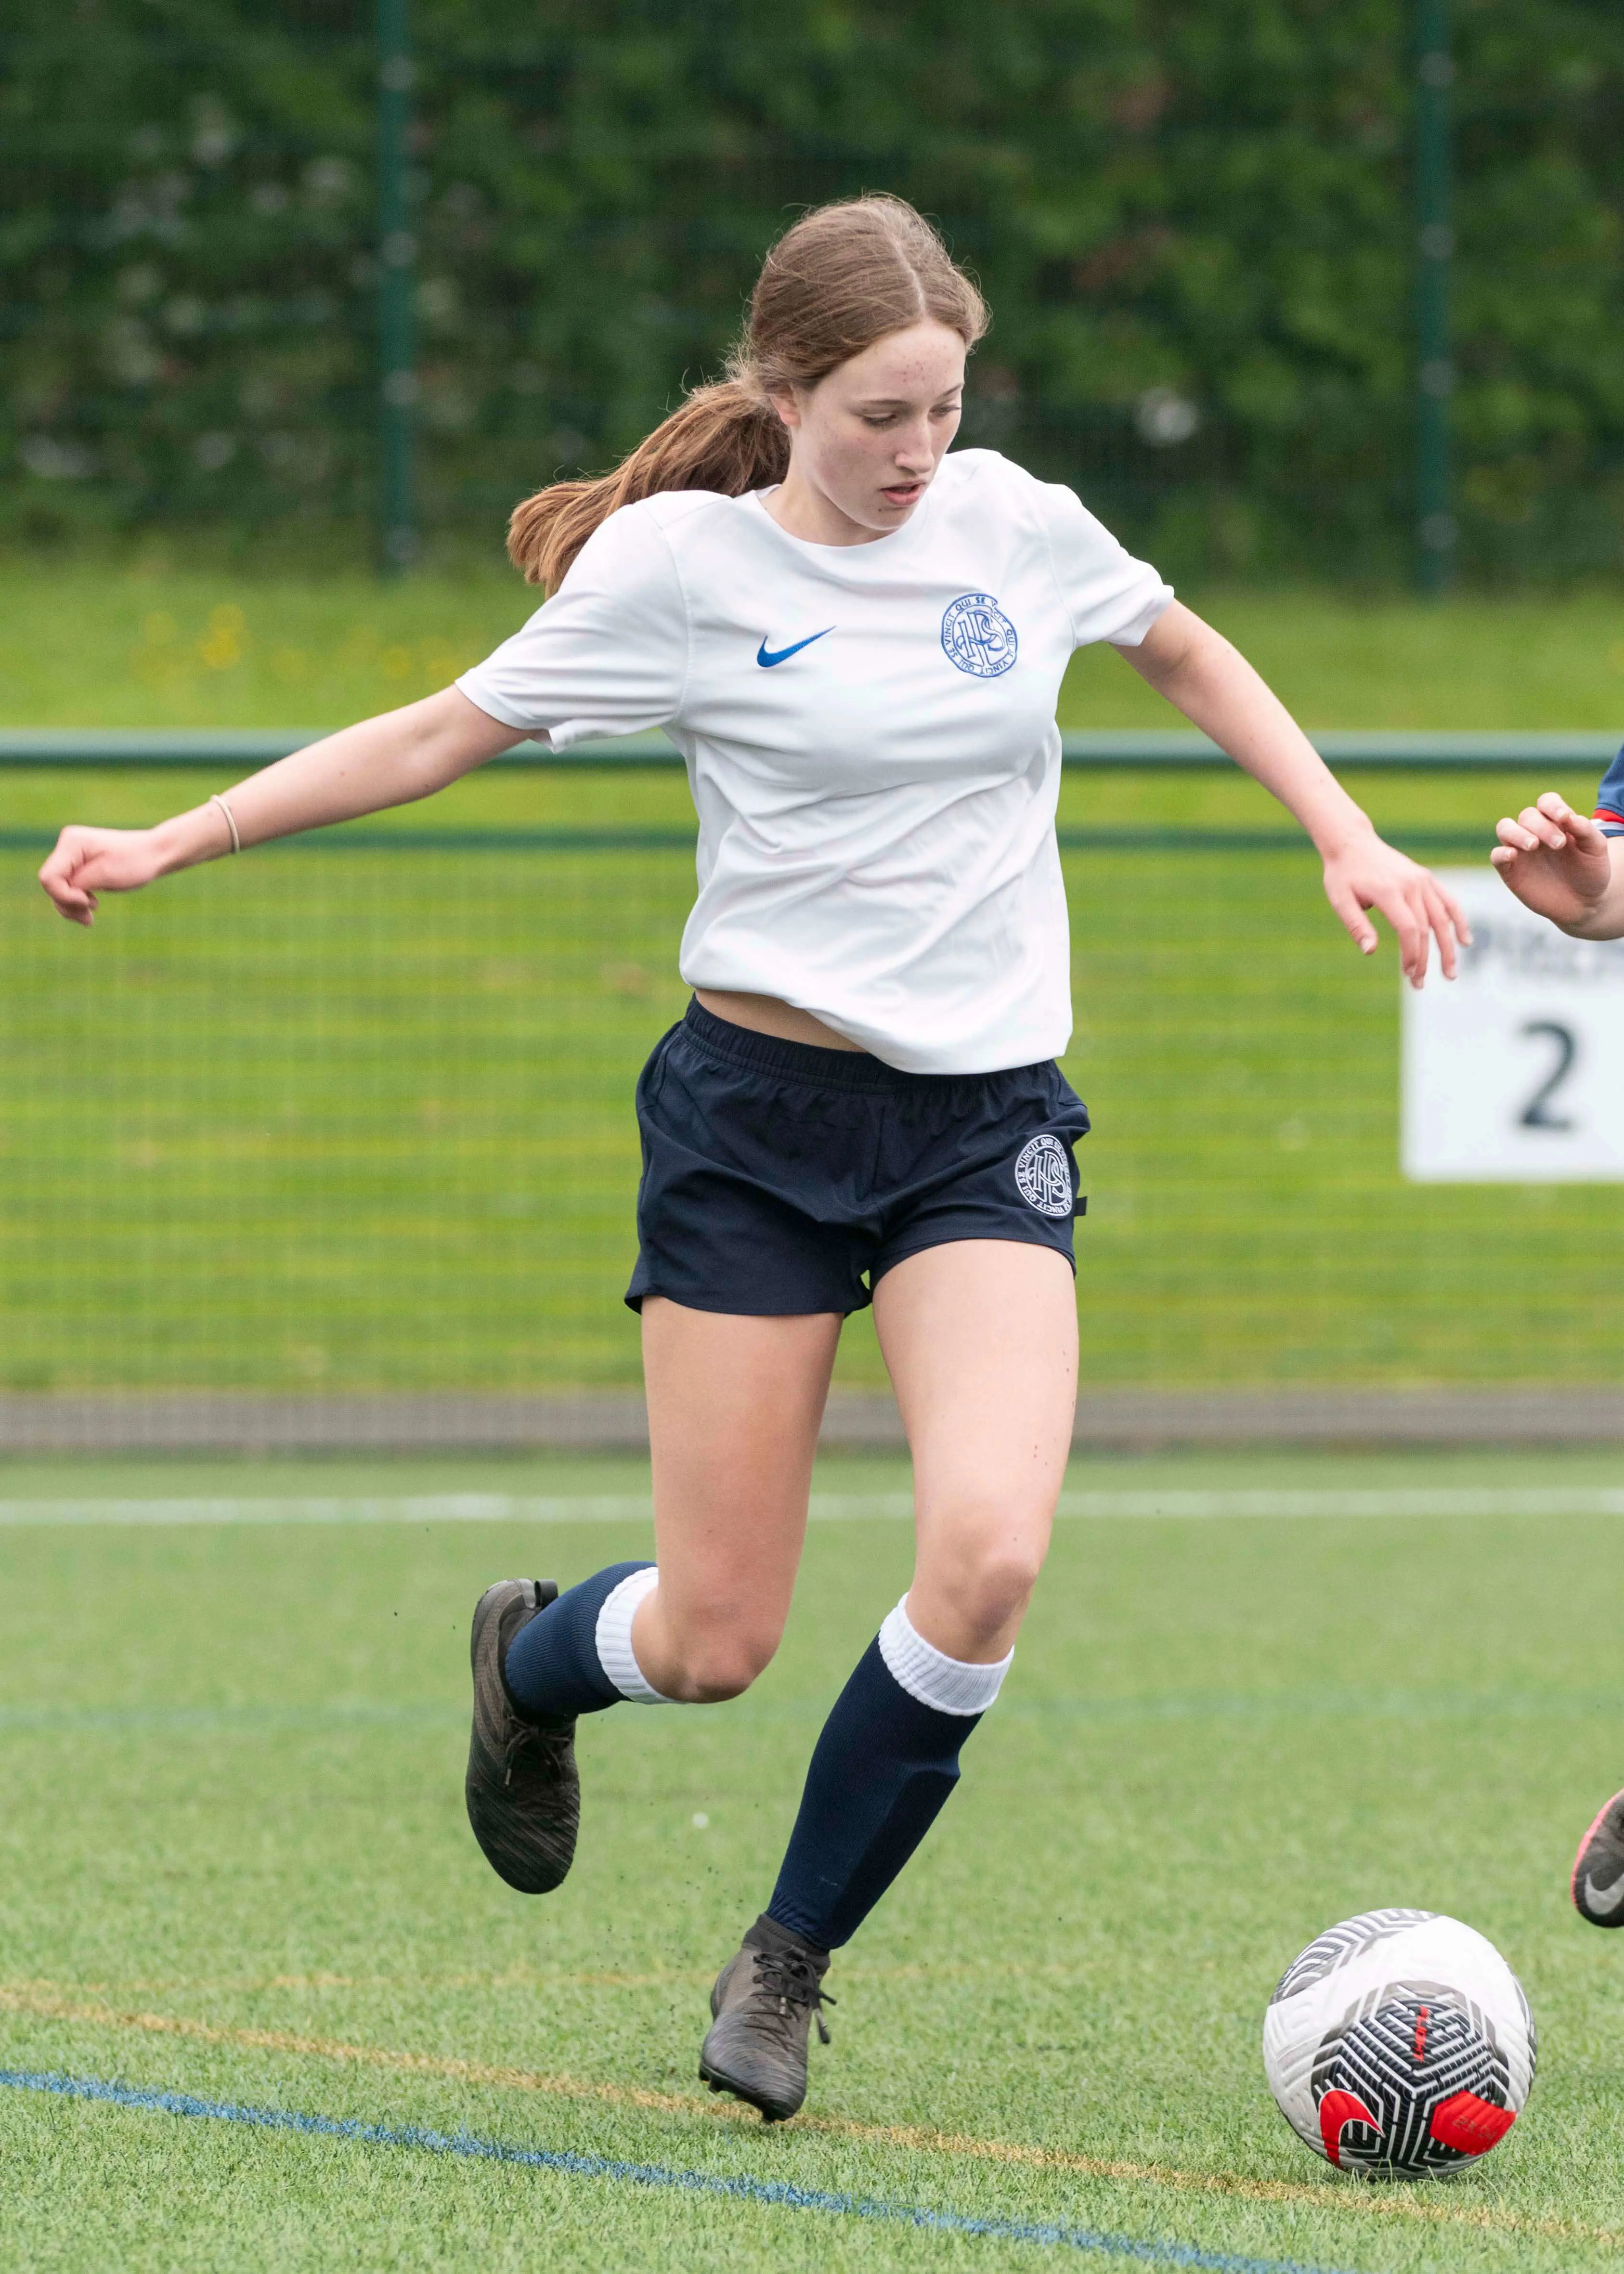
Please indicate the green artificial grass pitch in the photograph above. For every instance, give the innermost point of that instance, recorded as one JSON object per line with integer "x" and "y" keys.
{"x": 236, "y": 1871}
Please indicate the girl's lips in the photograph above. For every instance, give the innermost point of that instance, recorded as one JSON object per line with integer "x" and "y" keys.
{"x": 904, "y": 493}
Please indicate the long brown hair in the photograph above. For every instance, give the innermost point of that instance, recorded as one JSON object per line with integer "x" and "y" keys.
{"x": 842, "y": 277}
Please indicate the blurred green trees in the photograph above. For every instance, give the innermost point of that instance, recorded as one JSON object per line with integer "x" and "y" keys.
{"x": 1192, "y": 217}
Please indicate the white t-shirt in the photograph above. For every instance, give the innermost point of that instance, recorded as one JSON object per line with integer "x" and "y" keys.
{"x": 870, "y": 739}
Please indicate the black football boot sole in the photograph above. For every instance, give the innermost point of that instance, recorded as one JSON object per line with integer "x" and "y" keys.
{"x": 1598, "y": 1881}
{"x": 522, "y": 1791}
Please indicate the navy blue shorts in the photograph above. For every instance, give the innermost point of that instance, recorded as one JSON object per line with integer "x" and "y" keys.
{"x": 776, "y": 1176}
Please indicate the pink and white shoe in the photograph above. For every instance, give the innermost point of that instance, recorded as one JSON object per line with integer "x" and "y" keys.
{"x": 1599, "y": 1868}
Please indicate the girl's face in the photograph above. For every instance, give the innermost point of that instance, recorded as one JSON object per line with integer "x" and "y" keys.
{"x": 865, "y": 442}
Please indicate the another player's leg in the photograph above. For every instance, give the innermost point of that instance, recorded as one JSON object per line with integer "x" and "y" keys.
{"x": 1598, "y": 1882}
{"x": 980, "y": 1338}
{"x": 735, "y": 1405}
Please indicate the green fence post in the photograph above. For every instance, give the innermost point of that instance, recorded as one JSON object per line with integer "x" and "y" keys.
{"x": 397, "y": 254}
{"x": 1435, "y": 524}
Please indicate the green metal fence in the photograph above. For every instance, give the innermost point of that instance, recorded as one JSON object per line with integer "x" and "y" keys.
{"x": 1117, "y": 748}
{"x": 355, "y": 1112}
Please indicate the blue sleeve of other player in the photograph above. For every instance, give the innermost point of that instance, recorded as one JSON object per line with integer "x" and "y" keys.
{"x": 1610, "y": 799}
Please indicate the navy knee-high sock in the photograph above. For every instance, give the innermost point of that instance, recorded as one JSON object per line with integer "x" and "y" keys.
{"x": 881, "y": 1771}
{"x": 553, "y": 1665}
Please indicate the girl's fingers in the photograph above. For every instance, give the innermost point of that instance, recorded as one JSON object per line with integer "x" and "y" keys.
{"x": 1555, "y": 807}
{"x": 59, "y": 875}
{"x": 64, "y": 894}
{"x": 1551, "y": 826}
{"x": 1544, "y": 829}
{"x": 1346, "y": 904}
{"x": 1419, "y": 910}
{"x": 1409, "y": 927}
{"x": 60, "y": 862}
{"x": 1579, "y": 828}
{"x": 1428, "y": 921}
{"x": 1445, "y": 920}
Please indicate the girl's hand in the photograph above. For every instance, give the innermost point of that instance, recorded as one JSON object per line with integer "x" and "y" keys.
{"x": 1556, "y": 861}
{"x": 1366, "y": 873}
{"x": 87, "y": 862}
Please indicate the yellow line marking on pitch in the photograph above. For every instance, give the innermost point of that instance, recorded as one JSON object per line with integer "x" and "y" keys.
{"x": 521, "y": 1976}
{"x": 50, "y": 2005}
{"x": 47, "y": 2002}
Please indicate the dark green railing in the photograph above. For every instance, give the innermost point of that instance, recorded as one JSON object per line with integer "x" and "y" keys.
{"x": 1123, "y": 751}
{"x": 1176, "y": 750}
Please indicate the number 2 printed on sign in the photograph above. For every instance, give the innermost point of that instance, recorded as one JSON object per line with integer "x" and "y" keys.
{"x": 1536, "y": 1113}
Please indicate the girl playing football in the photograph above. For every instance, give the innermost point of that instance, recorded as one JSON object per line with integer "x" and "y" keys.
{"x": 857, "y": 642}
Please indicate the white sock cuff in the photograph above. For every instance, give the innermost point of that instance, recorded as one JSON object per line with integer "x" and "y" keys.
{"x": 614, "y": 1636}
{"x": 949, "y": 1685}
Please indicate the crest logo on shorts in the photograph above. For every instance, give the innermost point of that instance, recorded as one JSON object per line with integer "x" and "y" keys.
{"x": 978, "y": 637}
{"x": 1043, "y": 1176}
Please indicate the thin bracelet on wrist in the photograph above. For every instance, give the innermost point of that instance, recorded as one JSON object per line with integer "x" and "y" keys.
{"x": 236, "y": 842}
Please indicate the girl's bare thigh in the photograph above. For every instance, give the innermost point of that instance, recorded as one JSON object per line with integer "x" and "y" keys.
{"x": 980, "y": 1339}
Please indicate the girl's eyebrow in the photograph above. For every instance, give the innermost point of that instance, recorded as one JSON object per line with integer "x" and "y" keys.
{"x": 902, "y": 402}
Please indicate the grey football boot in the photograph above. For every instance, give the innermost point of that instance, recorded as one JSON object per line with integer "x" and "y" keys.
{"x": 1598, "y": 1883}
{"x": 763, "y": 2006}
{"x": 523, "y": 1795}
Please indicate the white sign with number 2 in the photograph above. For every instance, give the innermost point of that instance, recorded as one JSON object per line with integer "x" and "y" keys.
{"x": 1514, "y": 1074}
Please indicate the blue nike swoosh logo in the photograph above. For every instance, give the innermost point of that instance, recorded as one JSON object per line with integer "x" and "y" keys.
{"x": 784, "y": 654}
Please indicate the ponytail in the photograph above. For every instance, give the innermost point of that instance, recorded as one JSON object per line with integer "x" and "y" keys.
{"x": 842, "y": 277}
{"x": 728, "y": 437}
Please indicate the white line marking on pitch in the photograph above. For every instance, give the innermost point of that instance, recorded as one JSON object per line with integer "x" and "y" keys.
{"x": 427, "y": 1508}
{"x": 623, "y": 1508}
{"x": 1461, "y": 1500}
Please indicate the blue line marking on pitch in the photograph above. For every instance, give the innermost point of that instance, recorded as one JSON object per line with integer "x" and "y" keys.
{"x": 778, "y": 2193}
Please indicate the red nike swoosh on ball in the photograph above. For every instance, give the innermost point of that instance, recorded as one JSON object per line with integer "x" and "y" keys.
{"x": 1337, "y": 2109}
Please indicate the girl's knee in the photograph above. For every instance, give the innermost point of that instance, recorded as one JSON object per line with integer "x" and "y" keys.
{"x": 984, "y": 1571}
{"x": 995, "y": 1587}
{"x": 718, "y": 1660}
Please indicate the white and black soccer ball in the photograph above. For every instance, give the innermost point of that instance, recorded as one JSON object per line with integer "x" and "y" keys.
{"x": 1400, "y": 2044}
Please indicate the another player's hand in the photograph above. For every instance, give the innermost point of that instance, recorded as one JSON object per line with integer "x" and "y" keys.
{"x": 1556, "y": 861}
{"x": 1367, "y": 873}
{"x": 87, "y": 862}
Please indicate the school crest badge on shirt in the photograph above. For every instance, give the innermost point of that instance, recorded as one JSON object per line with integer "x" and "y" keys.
{"x": 978, "y": 637}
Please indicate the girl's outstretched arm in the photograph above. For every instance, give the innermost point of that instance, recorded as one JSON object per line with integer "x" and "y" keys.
{"x": 1218, "y": 691}
{"x": 405, "y": 755}
{"x": 1558, "y": 864}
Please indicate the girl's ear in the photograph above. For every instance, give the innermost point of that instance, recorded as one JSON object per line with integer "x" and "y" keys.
{"x": 787, "y": 406}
